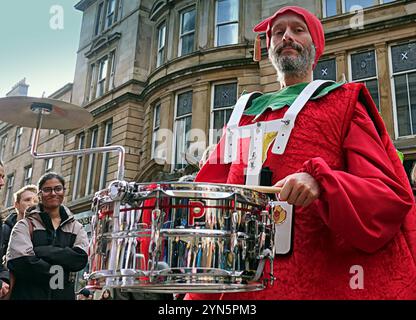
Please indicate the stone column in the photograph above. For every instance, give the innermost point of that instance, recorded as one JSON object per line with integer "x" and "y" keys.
{"x": 384, "y": 89}
{"x": 201, "y": 112}
{"x": 341, "y": 65}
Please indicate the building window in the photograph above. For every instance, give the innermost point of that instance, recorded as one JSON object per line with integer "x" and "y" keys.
{"x": 48, "y": 164}
{"x": 326, "y": 70}
{"x": 92, "y": 82}
{"x": 32, "y": 133}
{"x": 112, "y": 70}
{"x": 27, "y": 175}
{"x": 19, "y": 132}
{"x": 109, "y": 11}
{"x": 3, "y": 144}
{"x": 403, "y": 66}
{"x": 111, "y": 8}
{"x": 91, "y": 163}
{"x": 102, "y": 76}
{"x": 226, "y": 22}
{"x": 330, "y": 7}
{"x": 224, "y": 99}
{"x": 161, "y": 38}
{"x": 104, "y": 165}
{"x": 187, "y": 32}
{"x": 78, "y": 168}
{"x": 98, "y": 18}
{"x": 183, "y": 121}
{"x": 156, "y": 127}
{"x": 9, "y": 190}
{"x": 364, "y": 69}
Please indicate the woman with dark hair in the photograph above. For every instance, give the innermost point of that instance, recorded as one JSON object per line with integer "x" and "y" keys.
{"x": 106, "y": 294}
{"x": 47, "y": 247}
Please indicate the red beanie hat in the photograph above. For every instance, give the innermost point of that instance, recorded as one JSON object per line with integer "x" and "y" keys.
{"x": 314, "y": 25}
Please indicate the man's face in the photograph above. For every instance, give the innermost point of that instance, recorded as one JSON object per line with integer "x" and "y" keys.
{"x": 291, "y": 47}
{"x": 27, "y": 199}
{"x": 1, "y": 177}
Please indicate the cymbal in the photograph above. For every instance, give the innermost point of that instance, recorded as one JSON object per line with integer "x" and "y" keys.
{"x": 23, "y": 111}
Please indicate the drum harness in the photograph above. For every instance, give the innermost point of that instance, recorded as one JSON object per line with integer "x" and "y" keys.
{"x": 256, "y": 131}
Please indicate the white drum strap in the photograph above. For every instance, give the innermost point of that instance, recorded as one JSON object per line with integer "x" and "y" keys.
{"x": 231, "y": 139}
{"x": 257, "y": 131}
{"x": 289, "y": 118}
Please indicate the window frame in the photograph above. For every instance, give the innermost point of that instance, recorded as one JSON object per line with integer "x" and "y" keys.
{"x": 3, "y": 146}
{"x": 17, "y": 140}
{"x": 212, "y": 110}
{"x": 27, "y": 178}
{"x": 112, "y": 69}
{"x": 155, "y": 128}
{"x": 102, "y": 20}
{"x": 110, "y": 14}
{"x": 161, "y": 52}
{"x": 393, "y": 88}
{"x": 325, "y": 59}
{"x": 99, "y": 19}
{"x": 187, "y": 33}
{"x": 101, "y": 81}
{"x": 48, "y": 164}
{"x": 364, "y": 80}
{"x": 95, "y": 83}
{"x": 9, "y": 190}
{"x": 343, "y": 10}
{"x": 226, "y": 23}
{"x": 176, "y": 121}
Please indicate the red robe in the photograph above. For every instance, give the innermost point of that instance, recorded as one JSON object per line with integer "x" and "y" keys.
{"x": 365, "y": 215}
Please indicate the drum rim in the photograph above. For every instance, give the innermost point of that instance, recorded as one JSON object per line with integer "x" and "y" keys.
{"x": 149, "y": 189}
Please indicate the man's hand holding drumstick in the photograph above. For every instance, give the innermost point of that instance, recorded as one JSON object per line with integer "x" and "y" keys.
{"x": 299, "y": 189}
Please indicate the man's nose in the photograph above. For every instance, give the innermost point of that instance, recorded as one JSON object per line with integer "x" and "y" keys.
{"x": 288, "y": 35}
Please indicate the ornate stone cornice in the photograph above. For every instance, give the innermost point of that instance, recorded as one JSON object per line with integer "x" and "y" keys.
{"x": 101, "y": 43}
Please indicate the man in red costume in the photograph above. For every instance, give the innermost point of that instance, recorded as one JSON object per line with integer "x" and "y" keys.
{"x": 354, "y": 220}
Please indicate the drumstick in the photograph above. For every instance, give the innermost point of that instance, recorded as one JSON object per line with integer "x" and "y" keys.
{"x": 262, "y": 189}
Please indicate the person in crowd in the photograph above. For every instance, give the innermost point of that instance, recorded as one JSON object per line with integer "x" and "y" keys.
{"x": 106, "y": 294}
{"x": 47, "y": 247}
{"x": 24, "y": 198}
{"x": 354, "y": 212}
{"x": 4, "y": 274}
{"x": 84, "y": 294}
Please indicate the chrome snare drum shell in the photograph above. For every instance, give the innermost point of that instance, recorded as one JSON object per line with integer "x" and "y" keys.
{"x": 179, "y": 237}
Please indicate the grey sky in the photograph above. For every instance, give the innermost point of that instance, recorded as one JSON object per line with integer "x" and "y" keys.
{"x": 33, "y": 45}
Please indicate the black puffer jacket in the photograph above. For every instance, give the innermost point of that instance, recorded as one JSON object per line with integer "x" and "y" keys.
{"x": 33, "y": 259}
{"x": 6, "y": 230}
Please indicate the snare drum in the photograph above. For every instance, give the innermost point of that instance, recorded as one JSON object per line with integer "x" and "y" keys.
{"x": 180, "y": 237}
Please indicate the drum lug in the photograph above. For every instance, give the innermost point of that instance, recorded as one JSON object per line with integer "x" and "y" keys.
{"x": 117, "y": 190}
{"x": 271, "y": 273}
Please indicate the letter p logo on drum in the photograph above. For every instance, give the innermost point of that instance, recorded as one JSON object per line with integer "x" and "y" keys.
{"x": 196, "y": 211}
